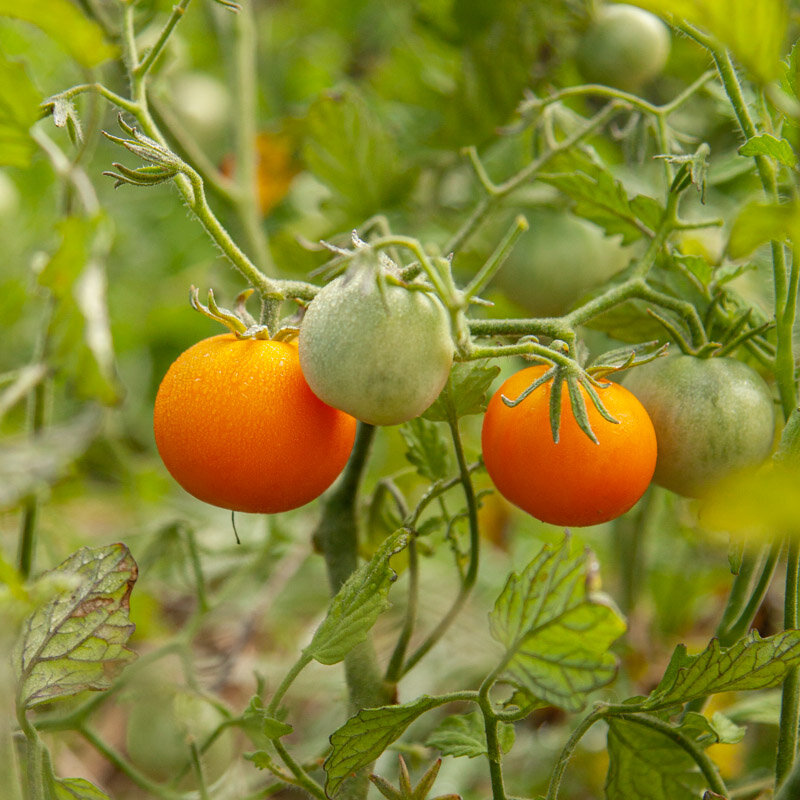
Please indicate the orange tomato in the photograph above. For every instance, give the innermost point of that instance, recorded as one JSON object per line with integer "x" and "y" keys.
{"x": 574, "y": 482}
{"x": 238, "y": 427}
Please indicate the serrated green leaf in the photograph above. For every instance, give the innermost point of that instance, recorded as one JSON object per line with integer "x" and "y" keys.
{"x": 81, "y": 37}
{"x": 756, "y": 39}
{"x": 647, "y": 765}
{"x": 426, "y": 448}
{"x": 464, "y": 735}
{"x": 752, "y": 663}
{"x": 466, "y": 391}
{"x": 28, "y": 465}
{"x": 601, "y": 198}
{"x": 77, "y": 789}
{"x": 367, "y": 734}
{"x": 759, "y": 223}
{"x": 556, "y": 630}
{"x": 768, "y": 145}
{"x": 77, "y": 640}
{"x": 357, "y": 605}
{"x": 19, "y": 110}
{"x": 349, "y": 150}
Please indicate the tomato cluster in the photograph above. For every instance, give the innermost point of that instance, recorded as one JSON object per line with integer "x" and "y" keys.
{"x": 266, "y": 426}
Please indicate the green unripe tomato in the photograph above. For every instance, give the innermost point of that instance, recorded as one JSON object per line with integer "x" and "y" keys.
{"x": 558, "y": 260}
{"x": 624, "y": 47}
{"x": 159, "y": 728}
{"x": 383, "y": 356}
{"x": 712, "y": 416}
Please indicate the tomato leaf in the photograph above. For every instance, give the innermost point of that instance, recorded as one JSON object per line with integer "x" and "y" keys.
{"x": 77, "y": 789}
{"x": 759, "y": 223}
{"x": 464, "y": 735}
{"x": 28, "y": 465}
{"x": 367, "y": 734}
{"x": 349, "y": 150}
{"x": 751, "y": 663}
{"x": 19, "y": 110}
{"x": 80, "y": 329}
{"x": 426, "y": 448}
{"x": 601, "y": 198}
{"x": 357, "y": 605}
{"x": 77, "y": 640}
{"x": 640, "y": 756}
{"x": 466, "y": 391}
{"x": 756, "y": 39}
{"x": 768, "y": 145}
{"x": 81, "y": 37}
{"x": 556, "y": 630}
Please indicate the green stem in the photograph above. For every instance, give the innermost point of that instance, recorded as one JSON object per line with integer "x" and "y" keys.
{"x": 37, "y": 408}
{"x": 790, "y": 788}
{"x": 124, "y": 766}
{"x": 178, "y": 10}
{"x": 288, "y": 679}
{"x": 395, "y": 666}
{"x": 598, "y": 90}
{"x": 337, "y": 539}
{"x": 790, "y": 698}
{"x": 246, "y": 152}
{"x": 302, "y": 778}
{"x": 495, "y": 192}
{"x": 494, "y": 752}
{"x": 784, "y": 314}
{"x": 471, "y": 574}
{"x": 197, "y": 568}
{"x": 569, "y": 748}
{"x": 740, "y": 627}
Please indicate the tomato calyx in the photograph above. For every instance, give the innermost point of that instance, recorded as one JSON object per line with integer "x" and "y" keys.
{"x": 574, "y": 376}
{"x": 238, "y": 322}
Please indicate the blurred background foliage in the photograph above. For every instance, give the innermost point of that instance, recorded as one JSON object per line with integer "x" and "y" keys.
{"x": 362, "y": 108}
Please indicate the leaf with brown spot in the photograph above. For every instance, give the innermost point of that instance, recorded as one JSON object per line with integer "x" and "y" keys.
{"x": 77, "y": 639}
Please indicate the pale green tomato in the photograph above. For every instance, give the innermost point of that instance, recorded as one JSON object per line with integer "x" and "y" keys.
{"x": 624, "y": 47}
{"x": 712, "y": 416}
{"x": 160, "y": 727}
{"x": 558, "y": 260}
{"x": 381, "y": 356}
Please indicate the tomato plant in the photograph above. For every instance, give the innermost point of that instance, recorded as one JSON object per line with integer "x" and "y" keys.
{"x": 624, "y": 46}
{"x": 711, "y": 416}
{"x": 380, "y": 353}
{"x": 238, "y": 427}
{"x": 573, "y": 481}
{"x": 425, "y": 196}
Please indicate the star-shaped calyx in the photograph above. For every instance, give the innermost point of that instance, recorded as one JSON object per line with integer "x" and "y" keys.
{"x": 405, "y": 790}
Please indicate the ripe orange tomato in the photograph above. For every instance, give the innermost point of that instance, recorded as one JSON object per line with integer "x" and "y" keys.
{"x": 238, "y": 427}
{"x": 574, "y": 482}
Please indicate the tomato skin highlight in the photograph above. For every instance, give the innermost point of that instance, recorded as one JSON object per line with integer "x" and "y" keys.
{"x": 573, "y": 482}
{"x": 712, "y": 416}
{"x": 238, "y": 427}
